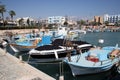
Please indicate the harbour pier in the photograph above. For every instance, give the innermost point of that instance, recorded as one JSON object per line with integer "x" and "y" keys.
{"x": 12, "y": 68}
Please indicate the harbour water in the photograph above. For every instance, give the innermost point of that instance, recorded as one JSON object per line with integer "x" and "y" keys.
{"x": 57, "y": 69}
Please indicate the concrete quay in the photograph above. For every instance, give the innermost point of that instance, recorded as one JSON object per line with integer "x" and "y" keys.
{"x": 12, "y": 68}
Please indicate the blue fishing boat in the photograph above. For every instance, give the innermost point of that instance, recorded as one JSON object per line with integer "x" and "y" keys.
{"x": 26, "y": 44}
{"x": 94, "y": 61}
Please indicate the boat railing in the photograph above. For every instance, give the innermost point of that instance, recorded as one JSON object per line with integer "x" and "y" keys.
{"x": 103, "y": 62}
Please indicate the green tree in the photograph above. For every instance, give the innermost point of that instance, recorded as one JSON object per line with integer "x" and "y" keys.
{"x": 5, "y": 22}
{"x": 28, "y": 22}
{"x": 2, "y": 10}
{"x": 93, "y": 23}
{"x": 66, "y": 23}
{"x": 12, "y": 13}
{"x": 116, "y": 24}
{"x": 98, "y": 23}
{"x": 21, "y": 22}
{"x": 119, "y": 23}
{"x": 106, "y": 23}
{"x": 81, "y": 22}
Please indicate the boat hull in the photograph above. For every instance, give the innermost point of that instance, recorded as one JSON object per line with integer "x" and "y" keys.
{"x": 21, "y": 48}
{"x": 44, "y": 60}
{"x": 47, "y": 56}
{"x": 79, "y": 70}
{"x": 94, "y": 61}
{"x": 51, "y": 57}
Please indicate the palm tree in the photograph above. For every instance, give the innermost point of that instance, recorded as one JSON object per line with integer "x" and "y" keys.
{"x": 12, "y": 13}
{"x": 2, "y": 10}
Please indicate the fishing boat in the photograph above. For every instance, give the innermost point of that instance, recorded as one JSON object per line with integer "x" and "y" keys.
{"x": 95, "y": 60}
{"x": 49, "y": 53}
{"x": 25, "y": 44}
{"x": 58, "y": 50}
{"x": 75, "y": 44}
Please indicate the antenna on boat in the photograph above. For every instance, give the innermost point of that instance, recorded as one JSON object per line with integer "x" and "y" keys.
{"x": 28, "y": 58}
{"x": 78, "y": 57}
{"x": 69, "y": 45}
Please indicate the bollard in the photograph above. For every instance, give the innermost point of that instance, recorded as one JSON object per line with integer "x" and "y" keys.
{"x": 20, "y": 58}
{"x": 61, "y": 78}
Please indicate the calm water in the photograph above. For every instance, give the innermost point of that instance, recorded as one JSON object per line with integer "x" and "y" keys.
{"x": 57, "y": 69}
{"x": 110, "y": 38}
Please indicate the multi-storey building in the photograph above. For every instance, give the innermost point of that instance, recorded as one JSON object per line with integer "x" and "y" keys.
{"x": 98, "y": 19}
{"x": 111, "y": 18}
{"x": 56, "y": 20}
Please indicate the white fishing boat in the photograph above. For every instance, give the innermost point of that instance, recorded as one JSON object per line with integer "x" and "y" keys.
{"x": 58, "y": 50}
{"x": 49, "y": 53}
{"x": 95, "y": 60}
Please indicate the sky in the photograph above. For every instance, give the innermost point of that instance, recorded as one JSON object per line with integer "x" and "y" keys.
{"x": 76, "y": 8}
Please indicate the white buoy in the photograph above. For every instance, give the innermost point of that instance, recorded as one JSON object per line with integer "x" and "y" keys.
{"x": 20, "y": 57}
{"x": 101, "y": 41}
{"x": 21, "y": 60}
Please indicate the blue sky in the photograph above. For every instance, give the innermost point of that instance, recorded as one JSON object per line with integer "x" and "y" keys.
{"x": 45, "y": 8}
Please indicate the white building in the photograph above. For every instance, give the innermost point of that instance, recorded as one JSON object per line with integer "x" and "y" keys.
{"x": 24, "y": 21}
{"x": 56, "y": 20}
{"x": 111, "y": 18}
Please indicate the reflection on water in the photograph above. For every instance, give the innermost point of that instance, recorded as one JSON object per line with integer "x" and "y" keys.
{"x": 57, "y": 69}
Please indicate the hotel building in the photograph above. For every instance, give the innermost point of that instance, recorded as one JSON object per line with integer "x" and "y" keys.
{"x": 56, "y": 20}
{"x": 111, "y": 18}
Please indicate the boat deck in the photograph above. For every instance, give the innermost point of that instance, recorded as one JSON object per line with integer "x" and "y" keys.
{"x": 12, "y": 68}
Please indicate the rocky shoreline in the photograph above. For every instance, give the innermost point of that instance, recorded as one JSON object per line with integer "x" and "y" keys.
{"x": 18, "y": 31}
